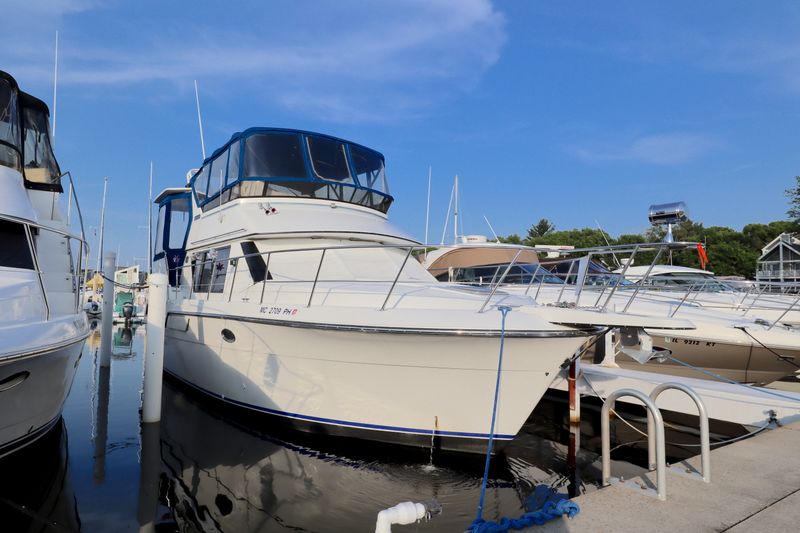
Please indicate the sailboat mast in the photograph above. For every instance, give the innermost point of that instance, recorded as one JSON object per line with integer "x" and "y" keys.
{"x": 428, "y": 207}
{"x": 149, "y": 221}
{"x": 455, "y": 211}
{"x": 102, "y": 226}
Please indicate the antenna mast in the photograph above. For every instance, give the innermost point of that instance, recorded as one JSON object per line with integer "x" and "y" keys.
{"x": 199, "y": 120}
{"x": 55, "y": 92}
{"x": 496, "y": 238}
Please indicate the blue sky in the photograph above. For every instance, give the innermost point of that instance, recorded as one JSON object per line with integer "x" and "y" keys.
{"x": 574, "y": 111}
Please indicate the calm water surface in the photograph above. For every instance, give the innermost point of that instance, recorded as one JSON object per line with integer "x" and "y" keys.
{"x": 208, "y": 468}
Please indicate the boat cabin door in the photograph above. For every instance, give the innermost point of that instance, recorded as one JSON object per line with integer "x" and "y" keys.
{"x": 174, "y": 219}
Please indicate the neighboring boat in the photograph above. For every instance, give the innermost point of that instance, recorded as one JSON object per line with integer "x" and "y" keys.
{"x": 744, "y": 349}
{"x": 42, "y": 325}
{"x": 292, "y": 295}
{"x": 709, "y": 291}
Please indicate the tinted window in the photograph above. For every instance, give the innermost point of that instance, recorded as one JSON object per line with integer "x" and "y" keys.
{"x": 255, "y": 261}
{"x": 329, "y": 159}
{"x": 368, "y": 166}
{"x": 220, "y": 268}
{"x": 274, "y": 155}
{"x": 14, "y": 249}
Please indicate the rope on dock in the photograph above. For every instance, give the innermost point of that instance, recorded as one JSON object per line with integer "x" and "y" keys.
{"x": 545, "y": 504}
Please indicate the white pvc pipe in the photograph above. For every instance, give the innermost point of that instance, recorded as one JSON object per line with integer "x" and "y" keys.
{"x": 401, "y": 514}
{"x": 109, "y": 266}
{"x": 154, "y": 357}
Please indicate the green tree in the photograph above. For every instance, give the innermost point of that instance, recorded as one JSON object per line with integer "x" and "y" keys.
{"x": 511, "y": 239}
{"x": 540, "y": 229}
{"x": 793, "y": 194}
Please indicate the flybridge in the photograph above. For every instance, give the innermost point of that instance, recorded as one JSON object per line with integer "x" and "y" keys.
{"x": 25, "y": 137}
{"x": 273, "y": 162}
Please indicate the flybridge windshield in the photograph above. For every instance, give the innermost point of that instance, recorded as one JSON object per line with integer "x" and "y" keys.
{"x": 263, "y": 162}
{"x": 10, "y": 146}
{"x": 41, "y": 168}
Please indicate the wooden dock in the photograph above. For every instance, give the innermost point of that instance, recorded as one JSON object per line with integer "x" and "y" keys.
{"x": 755, "y": 487}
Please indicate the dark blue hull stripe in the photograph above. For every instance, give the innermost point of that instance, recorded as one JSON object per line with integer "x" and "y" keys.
{"x": 343, "y": 423}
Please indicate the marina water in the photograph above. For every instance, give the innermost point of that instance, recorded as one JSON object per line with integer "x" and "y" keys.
{"x": 222, "y": 470}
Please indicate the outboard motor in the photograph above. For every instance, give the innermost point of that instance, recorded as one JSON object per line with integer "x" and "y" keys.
{"x": 127, "y": 312}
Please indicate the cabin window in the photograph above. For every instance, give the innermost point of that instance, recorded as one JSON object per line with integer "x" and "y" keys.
{"x": 201, "y": 184}
{"x": 369, "y": 169}
{"x": 274, "y": 155}
{"x": 255, "y": 262}
{"x": 329, "y": 159}
{"x": 15, "y": 252}
{"x": 219, "y": 168}
{"x": 159, "y": 247}
{"x": 210, "y": 270}
{"x": 178, "y": 222}
{"x": 233, "y": 163}
{"x": 9, "y": 126}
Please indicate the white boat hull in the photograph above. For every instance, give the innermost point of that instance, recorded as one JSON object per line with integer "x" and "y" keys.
{"x": 33, "y": 388}
{"x": 394, "y": 387}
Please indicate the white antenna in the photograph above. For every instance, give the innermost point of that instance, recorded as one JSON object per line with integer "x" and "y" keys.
{"x": 149, "y": 220}
{"x": 55, "y": 89}
{"x": 447, "y": 217}
{"x": 455, "y": 210}
{"x": 428, "y": 208}
{"x": 199, "y": 120}
{"x": 603, "y": 233}
{"x": 102, "y": 226}
{"x": 496, "y": 238}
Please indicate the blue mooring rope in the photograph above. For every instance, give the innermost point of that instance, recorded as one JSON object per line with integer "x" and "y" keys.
{"x": 545, "y": 504}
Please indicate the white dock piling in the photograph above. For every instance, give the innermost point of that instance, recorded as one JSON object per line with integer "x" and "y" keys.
{"x": 154, "y": 355}
{"x": 109, "y": 267}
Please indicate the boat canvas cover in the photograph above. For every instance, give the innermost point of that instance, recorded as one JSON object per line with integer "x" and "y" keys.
{"x": 483, "y": 256}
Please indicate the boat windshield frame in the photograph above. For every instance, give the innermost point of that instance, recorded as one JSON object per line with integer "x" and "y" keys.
{"x": 233, "y": 172}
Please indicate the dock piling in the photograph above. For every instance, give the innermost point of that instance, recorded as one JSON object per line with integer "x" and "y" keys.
{"x": 154, "y": 356}
{"x": 109, "y": 266}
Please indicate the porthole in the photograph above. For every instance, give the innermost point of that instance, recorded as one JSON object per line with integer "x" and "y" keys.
{"x": 228, "y": 336}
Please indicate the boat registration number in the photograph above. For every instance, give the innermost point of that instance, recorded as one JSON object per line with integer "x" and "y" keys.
{"x": 689, "y": 342}
{"x": 283, "y": 311}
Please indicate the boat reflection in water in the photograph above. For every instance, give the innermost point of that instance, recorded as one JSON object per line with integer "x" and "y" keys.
{"x": 35, "y": 490}
{"x": 218, "y": 474}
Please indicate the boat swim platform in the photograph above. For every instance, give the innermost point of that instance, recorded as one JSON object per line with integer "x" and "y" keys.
{"x": 755, "y": 486}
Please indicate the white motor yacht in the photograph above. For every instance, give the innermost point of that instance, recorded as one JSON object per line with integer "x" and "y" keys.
{"x": 743, "y": 348}
{"x": 42, "y": 327}
{"x": 706, "y": 290}
{"x": 293, "y": 295}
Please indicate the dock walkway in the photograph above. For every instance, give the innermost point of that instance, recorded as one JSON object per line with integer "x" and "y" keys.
{"x": 755, "y": 486}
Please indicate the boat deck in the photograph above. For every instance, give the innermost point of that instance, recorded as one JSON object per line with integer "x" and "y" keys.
{"x": 755, "y": 487}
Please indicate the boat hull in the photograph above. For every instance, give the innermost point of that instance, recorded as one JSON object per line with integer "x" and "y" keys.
{"x": 406, "y": 388}
{"x": 33, "y": 388}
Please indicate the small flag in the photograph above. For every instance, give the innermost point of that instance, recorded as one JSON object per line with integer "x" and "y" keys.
{"x": 701, "y": 254}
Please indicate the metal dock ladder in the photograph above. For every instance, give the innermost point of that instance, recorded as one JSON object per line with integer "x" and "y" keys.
{"x": 655, "y": 438}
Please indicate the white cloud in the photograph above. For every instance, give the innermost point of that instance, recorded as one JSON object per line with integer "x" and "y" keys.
{"x": 663, "y": 149}
{"x": 343, "y": 60}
